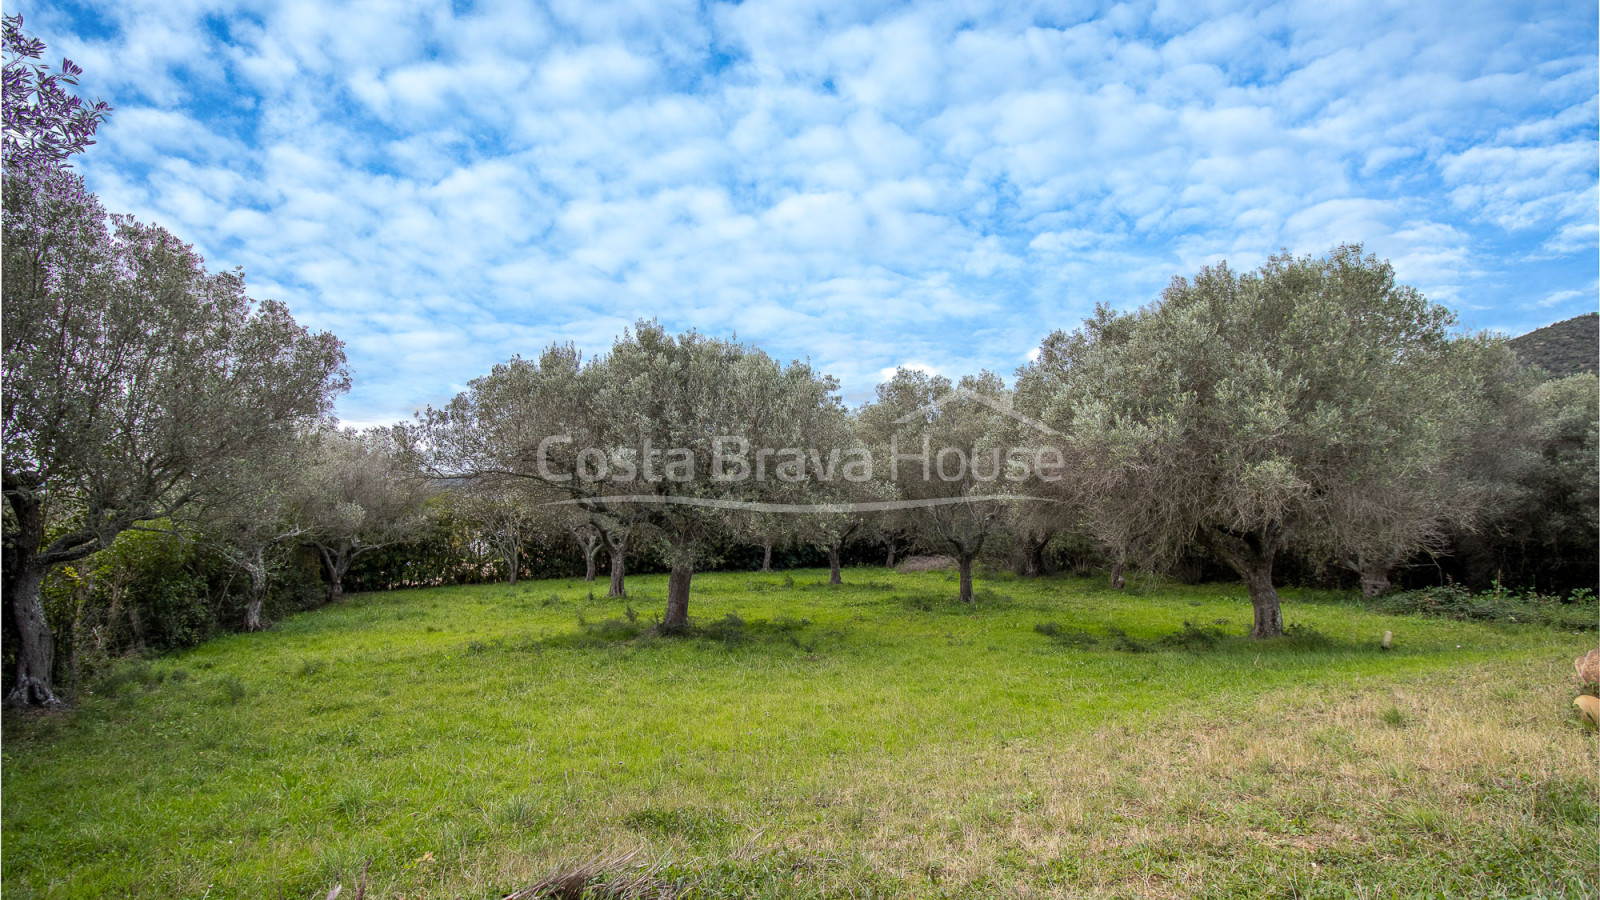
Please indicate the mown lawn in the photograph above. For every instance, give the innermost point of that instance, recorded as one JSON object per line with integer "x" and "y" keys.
{"x": 872, "y": 740}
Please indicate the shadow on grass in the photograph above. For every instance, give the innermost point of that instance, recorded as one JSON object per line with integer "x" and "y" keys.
{"x": 950, "y": 603}
{"x": 1192, "y": 638}
{"x": 729, "y": 631}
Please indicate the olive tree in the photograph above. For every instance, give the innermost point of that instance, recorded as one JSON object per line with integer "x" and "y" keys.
{"x": 692, "y": 424}
{"x": 131, "y": 374}
{"x": 766, "y": 530}
{"x": 359, "y": 495}
{"x": 246, "y": 512}
{"x": 506, "y": 516}
{"x": 1539, "y": 528}
{"x": 44, "y": 122}
{"x": 1298, "y": 405}
{"x": 838, "y": 508}
{"x": 955, "y": 459}
{"x": 665, "y": 432}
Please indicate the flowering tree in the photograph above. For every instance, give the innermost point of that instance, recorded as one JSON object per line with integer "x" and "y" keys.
{"x": 44, "y": 123}
{"x": 132, "y": 378}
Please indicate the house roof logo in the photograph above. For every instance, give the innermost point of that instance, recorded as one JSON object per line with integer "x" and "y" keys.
{"x": 999, "y": 405}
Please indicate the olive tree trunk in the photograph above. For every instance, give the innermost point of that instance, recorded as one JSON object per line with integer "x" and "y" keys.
{"x": 889, "y": 562}
{"x": 1033, "y": 553}
{"x": 766, "y": 557}
{"x": 35, "y": 644}
{"x": 964, "y": 566}
{"x": 677, "y": 618}
{"x": 618, "y": 548}
{"x": 1264, "y": 602}
{"x": 335, "y": 563}
{"x": 24, "y": 599}
{"x": 1252, "y": 556}
{"x": 834, "y": 550}
{"x": 255, "y": 566}
{"x": 1374, "y": 581}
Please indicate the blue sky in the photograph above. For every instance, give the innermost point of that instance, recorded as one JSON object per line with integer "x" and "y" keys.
{"x": 865, "y": 184}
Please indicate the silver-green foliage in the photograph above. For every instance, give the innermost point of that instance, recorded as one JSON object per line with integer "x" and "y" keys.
{"x": 1314, "y": 403}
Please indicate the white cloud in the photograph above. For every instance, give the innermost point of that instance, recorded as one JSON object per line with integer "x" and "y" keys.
{"x": 943, "y": 183}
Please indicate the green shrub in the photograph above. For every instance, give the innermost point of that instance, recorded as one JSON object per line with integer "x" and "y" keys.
{"x": 1578, "y": 611}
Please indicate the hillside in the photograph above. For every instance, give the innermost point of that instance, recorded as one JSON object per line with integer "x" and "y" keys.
{"x": 1565, "y": 348}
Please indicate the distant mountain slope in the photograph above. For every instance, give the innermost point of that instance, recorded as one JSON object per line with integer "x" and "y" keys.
{"x": 1565, "y": 348}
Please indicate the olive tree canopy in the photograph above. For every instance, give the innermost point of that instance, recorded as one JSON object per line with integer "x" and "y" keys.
{"x": 956, "y": 460}
{"x": 1312, "y": 403}
{"x": 651, "y": 434}
{"x": 132, "y": 377}
{"x": 359, "y": 494}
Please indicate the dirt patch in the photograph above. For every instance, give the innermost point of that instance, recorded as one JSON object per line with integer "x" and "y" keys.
{"x": 925, "y": 564}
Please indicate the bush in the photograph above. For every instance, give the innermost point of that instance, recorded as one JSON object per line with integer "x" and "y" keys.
{"x": 296, "y": 585}
{"x": 1578, "y": 611}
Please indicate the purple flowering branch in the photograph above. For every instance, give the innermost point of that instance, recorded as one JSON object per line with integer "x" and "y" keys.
{"x": 44, "y": 123}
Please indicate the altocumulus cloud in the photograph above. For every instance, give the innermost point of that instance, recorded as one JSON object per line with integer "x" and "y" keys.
{"x": 868, "y": 185}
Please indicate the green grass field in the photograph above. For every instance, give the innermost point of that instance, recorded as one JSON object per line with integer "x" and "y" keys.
{"x": 871, "y": 740}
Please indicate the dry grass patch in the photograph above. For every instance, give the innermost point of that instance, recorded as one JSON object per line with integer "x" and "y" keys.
{"x": 1489, "y": 776}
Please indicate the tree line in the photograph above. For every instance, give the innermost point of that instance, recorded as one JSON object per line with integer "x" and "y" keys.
{"x": 1312, "y": 410}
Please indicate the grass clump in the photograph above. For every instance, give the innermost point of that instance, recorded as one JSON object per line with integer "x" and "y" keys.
{"x": 1193, "y": 638}
{"x": 1066, "y": 636}
{"x": 604, "y": 633}
{"x": 695, "y": 826}
{"x": 230, "y": 690}
{"x": 1123, "y": 642}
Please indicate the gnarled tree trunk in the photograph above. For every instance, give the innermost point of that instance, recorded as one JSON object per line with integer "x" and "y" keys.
{"x": 1374, "y": 574}
{"x": 964, "y": 566}
{"x": 889, "y": 562}
{"x": 1374, "y": 581}
{"x": 618, "y": 547}
{"x": 1264, "y": 602}
{"x": 24, "y": 600}
{"x": 766, "y": 556}
{"x": 1117, "y": 581}
{"x": 834, "y": 550}
{"x": 1033, "y": 553}
{"x": 335, "y": 563}
{"x": 677, "y": 618}
{"x": 588, "y": 538}
{"x": 256, "y": 567}
{"x": 1252, "y": 557}
{"x": 35, "y": 644}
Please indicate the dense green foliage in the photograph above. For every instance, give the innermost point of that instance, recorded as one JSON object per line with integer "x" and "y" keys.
{"x": 1574, "y": 612}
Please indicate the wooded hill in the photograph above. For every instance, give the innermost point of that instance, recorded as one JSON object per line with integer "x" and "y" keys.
{"x": 1565, "y": 348}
